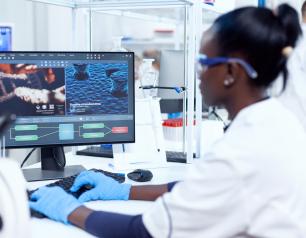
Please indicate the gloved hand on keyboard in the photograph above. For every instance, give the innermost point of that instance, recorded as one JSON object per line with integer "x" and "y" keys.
{"x": 104, "y": 187}
{"x": 54, "y": 202}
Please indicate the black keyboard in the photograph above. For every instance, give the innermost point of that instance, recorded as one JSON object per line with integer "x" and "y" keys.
{"x": 96, "y": 151}
{"x": 176, "y": 156}
{"x": 67, "y": 182}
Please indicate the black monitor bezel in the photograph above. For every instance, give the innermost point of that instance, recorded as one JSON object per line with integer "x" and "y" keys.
{"x": 91, "y": 143}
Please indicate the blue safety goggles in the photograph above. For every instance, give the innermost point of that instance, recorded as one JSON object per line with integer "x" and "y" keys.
{"x": 204, "y": 61}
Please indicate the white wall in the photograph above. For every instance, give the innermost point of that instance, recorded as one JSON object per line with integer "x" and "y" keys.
{"x": 41, "y": 27}
{"x": 39, "y": 24}
{"x": 47, "y": 27}
{"x": 59, "y": 28}
{"x": 243, "y": 3}
{"x": 20, "y": 14}
{"x": 106, "y": 26}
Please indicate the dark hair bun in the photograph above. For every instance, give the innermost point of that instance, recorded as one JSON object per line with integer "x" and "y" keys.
{"x": 289, "y": 19}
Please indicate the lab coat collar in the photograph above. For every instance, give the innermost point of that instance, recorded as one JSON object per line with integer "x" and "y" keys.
{"x": 254, "y": 112}
{"x": 245, "y": 110}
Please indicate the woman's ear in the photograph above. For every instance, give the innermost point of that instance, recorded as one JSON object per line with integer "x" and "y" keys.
{"x": 230, "y": 79}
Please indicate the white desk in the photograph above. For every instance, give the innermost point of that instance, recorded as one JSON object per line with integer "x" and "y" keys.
{"x": 47, "y": 228}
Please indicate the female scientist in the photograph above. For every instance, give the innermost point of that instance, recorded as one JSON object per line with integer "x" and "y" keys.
{"x": 252, "y": 182}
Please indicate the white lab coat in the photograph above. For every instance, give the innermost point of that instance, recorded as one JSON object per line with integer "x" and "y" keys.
{"x": 252, "y": 182}
{"x": 294, "y": 97}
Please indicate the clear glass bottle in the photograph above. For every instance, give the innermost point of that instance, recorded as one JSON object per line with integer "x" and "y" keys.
{"x": 117, "y": 44}
{"x": 148, "y": 77}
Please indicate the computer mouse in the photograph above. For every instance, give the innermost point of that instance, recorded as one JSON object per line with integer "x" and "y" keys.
{"x": 140, "y": 175}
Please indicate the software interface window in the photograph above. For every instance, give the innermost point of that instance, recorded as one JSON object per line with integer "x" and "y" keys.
{"x": 62, "y": 98}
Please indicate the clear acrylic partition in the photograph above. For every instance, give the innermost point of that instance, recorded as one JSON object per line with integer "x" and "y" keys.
{"x": 145, "y": 30}
{"x": 91, "y": 25}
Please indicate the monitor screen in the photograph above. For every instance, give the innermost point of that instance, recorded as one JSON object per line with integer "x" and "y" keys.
{"x": 171, "y": 101}
{"x": 68, "y": 98}
{"x": 5, "y": 38}
{"x": 168, "y": 77}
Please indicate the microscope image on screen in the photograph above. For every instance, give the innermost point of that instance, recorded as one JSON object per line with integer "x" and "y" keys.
{"x": 81, "y": 71}
{"x": 119, "y": 85}
{"x": 97, "y": 88}
{"x": 36, "y": 90}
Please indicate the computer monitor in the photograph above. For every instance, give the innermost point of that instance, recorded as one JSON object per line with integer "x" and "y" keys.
{"x": 6, "y": 38}
{"x": 172, "y": 74}
{"x": 66, "y": 98}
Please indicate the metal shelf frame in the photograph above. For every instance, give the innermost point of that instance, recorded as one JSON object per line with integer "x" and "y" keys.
{"x": 115, "y": 4}
{"x": 140, "y": 16}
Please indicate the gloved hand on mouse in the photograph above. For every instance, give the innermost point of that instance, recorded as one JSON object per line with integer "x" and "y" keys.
{"x": 56, "y": 204}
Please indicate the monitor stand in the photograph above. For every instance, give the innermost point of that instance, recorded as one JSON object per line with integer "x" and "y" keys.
{"x": 53, "y": 163}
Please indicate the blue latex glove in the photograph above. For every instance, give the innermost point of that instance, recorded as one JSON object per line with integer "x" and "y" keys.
{"x": 54, "y": 202}
{"x": 104, "y": 187}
